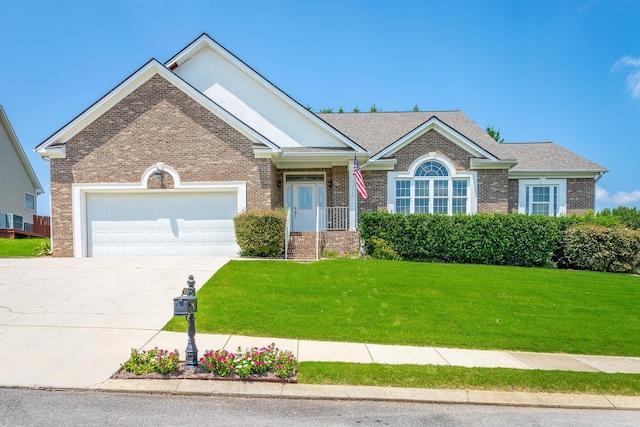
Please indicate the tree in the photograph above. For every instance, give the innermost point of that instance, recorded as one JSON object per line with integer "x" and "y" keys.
{"x": 495, "y": 134}
{"x": 415, "y": 108}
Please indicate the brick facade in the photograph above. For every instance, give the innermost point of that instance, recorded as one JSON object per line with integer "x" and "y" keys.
{"x": 513, "y": 196}
{"x": 432, "y": 142}
{"x": 581, "y": 195}
{"x": 376, "y": 183}
{"x": 155, "y": 123}
{"x": 493, "y": 191}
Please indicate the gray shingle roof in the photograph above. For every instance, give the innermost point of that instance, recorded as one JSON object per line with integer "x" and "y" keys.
{"x": 376, "y": 131}
{"x": 546, "y": 156}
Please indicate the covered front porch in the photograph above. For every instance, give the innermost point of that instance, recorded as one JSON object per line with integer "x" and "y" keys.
{"x": 318, "y": 190}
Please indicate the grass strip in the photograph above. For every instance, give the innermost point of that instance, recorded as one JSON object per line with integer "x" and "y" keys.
{"x": 421, "y": 304}
{"x": 455, "y": 377}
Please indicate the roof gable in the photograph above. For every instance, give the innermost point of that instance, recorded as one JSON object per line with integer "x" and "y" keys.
{"x": 246, "y": 94}
{"x": 4, "y": 122}
{"x": 434, "y": 123}
{"x": 54, "y": 146}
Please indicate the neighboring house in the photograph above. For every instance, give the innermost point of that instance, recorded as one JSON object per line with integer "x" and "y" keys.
{"x": 19, "y": 186}
{"x": 162, "y": 163}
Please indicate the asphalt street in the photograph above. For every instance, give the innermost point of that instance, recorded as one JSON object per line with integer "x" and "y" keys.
{"x": 19, "y": 407}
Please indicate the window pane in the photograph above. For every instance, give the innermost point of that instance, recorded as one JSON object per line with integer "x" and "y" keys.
{"x": 432, "y": 168}
{"x": 459, "y": 202}
{"x": 460, "y": 206}
{"x": 304, "y": 198}
{"x": 402, "y": 206}
{"x": 421, "y": 204}
{"x": 29, "y": 202}
{"x": 440, "y": 205}
{"x": 540, "y": 194}
{"x": 422, "y": 188}
{"x": 459, "y": 188}
{"x": 403, "y": 196}
{"x": 288, "y": 197}
{"x": 441, "y": 188}
{"x": 540, "y": 209}
{"x": 321, "y": 197}
{"x": 403, "y": 188}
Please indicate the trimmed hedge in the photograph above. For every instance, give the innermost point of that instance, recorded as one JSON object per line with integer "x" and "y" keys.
{"x": 599, "y": 248}
{"x": 497, "y": 239}
{"x": 472, "y": 239}
{"x": 260, "y": 232}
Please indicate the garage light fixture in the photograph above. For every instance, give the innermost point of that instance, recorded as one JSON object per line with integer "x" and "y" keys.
{"x": 158, "y": 172}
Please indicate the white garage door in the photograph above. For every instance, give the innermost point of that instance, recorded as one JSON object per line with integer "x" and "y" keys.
{"x": 159, "y": 224}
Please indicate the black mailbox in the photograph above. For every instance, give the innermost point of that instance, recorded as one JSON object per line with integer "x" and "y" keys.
{"x": 185, "y": 305}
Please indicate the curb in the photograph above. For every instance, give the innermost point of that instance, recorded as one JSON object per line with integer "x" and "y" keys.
{"x": 369, "y": 393}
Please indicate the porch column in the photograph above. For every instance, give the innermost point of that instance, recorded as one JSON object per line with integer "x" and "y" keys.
{"x": 353, "y": 199}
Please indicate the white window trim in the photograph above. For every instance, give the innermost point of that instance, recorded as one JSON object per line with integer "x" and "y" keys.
{"x": 472, "y": 177}
{"x": 560, "y": 184}
{"x": 33, "y": 209}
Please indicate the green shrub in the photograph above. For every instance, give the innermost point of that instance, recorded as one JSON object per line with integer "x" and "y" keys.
{"x": 381, "y": 249}
{"x": 260, "y": 232}
{"x": 44, "y": 248}
{"x": 599, "y": 248}
{"x": 498, "y": 239}
{"x": 154, "y": 360}
{"x": 629, "y": 217}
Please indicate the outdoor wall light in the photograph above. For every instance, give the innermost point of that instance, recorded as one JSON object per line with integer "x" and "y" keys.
{"x": 330, "y": 184}
{"x": 279, "y": 184}
{"x": 158, "y": 173}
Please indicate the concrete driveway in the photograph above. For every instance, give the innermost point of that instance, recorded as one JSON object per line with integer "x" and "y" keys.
{"x": 71, "y": 322}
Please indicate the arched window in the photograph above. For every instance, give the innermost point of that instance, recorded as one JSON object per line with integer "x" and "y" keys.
{"x": 432, "y": 188}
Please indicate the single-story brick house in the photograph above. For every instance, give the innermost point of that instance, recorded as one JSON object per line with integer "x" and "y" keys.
{"x": 162, "y": 163}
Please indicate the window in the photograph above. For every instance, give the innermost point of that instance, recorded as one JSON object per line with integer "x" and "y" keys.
{"x": 542, "y": 196}
{"x": 29, "y": 201}
{"x": 433, "y": 187}
{"x": 541, "y": 200}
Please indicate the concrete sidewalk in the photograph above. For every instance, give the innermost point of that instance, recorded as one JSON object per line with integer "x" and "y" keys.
{"x": 307, "y": 351}
{"x": 321, "y": 351}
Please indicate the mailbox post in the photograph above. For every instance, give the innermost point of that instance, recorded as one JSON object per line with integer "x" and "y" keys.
{"x": 187, "y": 305}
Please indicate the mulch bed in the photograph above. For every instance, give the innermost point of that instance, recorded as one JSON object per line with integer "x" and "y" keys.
{"x": 199, "y": 373}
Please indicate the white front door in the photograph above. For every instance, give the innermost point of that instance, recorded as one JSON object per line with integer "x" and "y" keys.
{"x": 305, "y": 206}
{"x": 303, "y": 196}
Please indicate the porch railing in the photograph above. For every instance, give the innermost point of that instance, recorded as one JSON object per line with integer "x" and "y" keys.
{"x": 287, "y": 233}
{"x": 334, "y": 218}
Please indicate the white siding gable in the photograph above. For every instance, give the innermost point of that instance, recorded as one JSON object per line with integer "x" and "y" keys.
{"x": 271, "y": 114}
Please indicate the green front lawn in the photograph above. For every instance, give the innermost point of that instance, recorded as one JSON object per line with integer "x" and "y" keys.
{"x": 20, "y": 247}
{"x": 456, "y": 377}
{"x": 445, "y": 305}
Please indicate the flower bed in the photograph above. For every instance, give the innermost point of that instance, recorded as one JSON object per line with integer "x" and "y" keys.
{"x": 263, "y": 364}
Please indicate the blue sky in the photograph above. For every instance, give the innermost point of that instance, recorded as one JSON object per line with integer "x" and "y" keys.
{"x": 566, "y": 71}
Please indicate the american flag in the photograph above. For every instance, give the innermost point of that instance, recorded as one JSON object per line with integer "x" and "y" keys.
{"x": 362, "y": 191}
